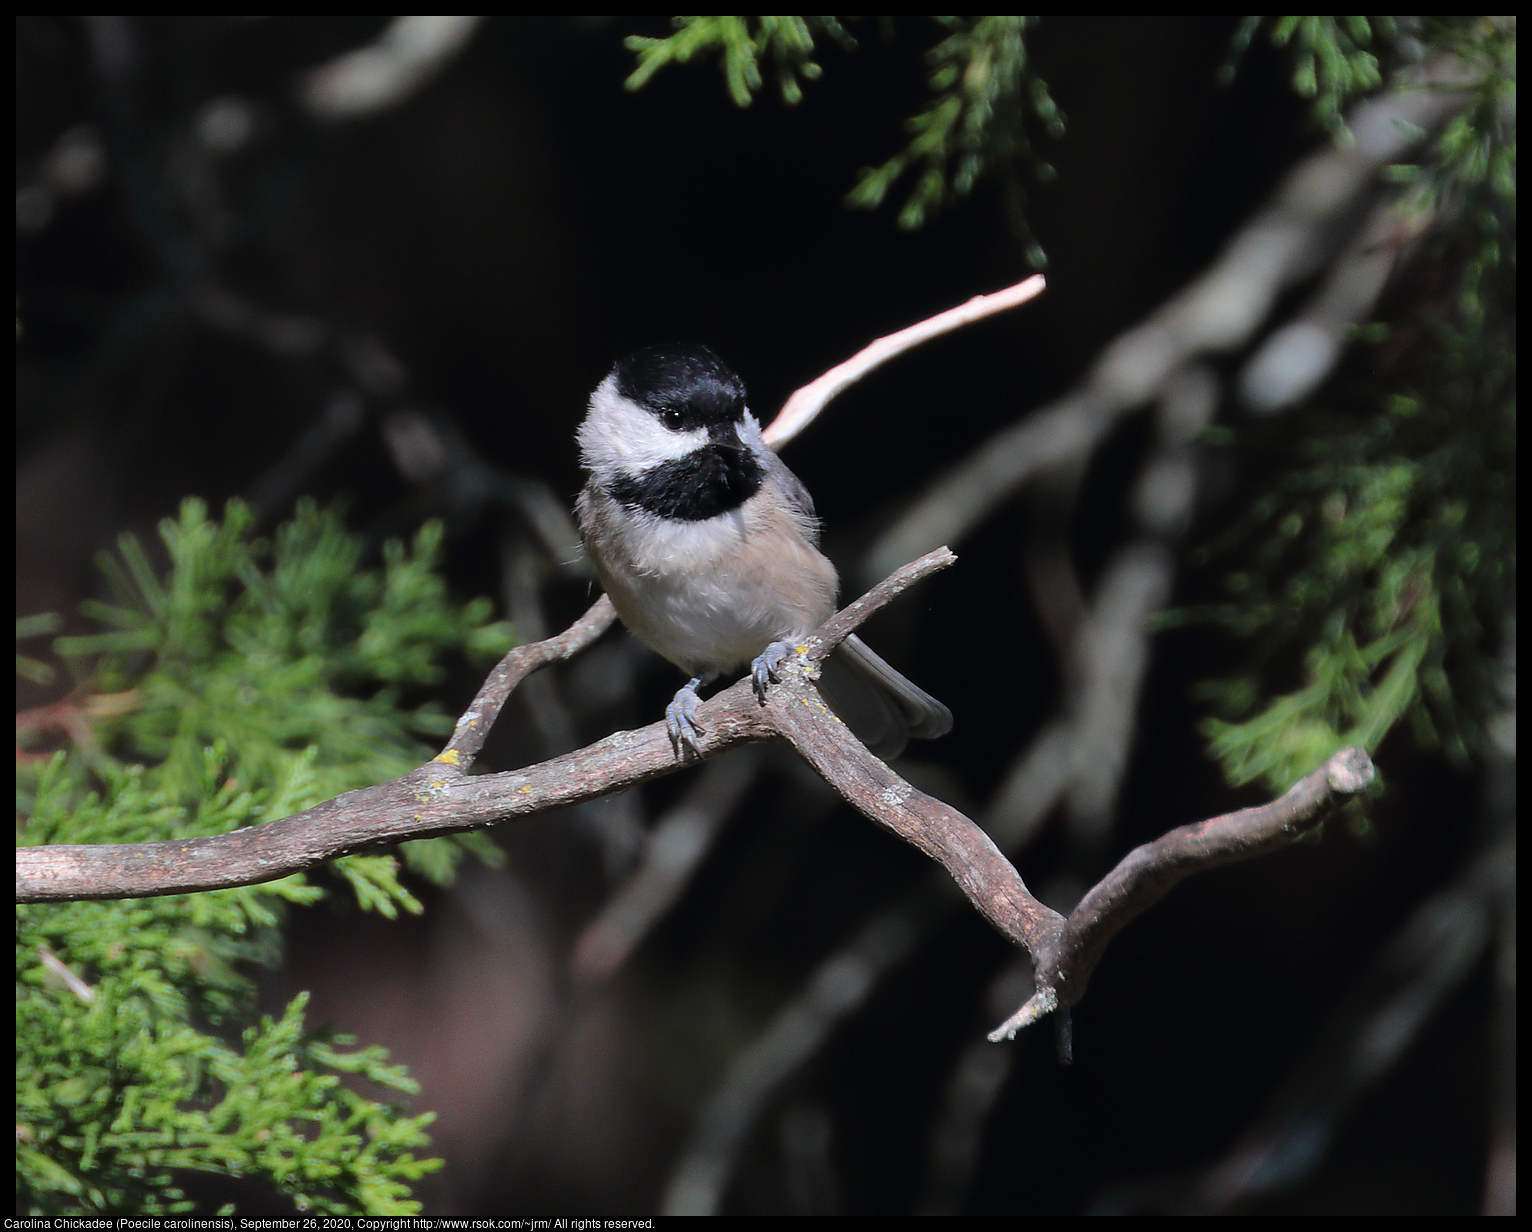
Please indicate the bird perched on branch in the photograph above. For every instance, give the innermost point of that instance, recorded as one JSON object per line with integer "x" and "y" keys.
{"x": 709, "y": 548}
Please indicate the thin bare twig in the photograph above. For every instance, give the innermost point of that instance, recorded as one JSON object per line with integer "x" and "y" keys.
{"x": 62, "y": 971}
{"x": 1219, "y": 312}
{"x": 616, "y": 821}
{"x": 473, "y": 725}
{"x": 800, "y": 410}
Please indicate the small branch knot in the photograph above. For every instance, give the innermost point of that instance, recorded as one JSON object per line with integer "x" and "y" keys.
{"x": 1349, "y": 771}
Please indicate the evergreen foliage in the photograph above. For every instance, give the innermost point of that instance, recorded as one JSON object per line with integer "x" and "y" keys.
{"x": 789, "y": 41}
{"x": 985, "y": 93}
{"x": 1331, "y": 61}
{"x": 1370, "y": 576}
{"x": 27, "y": 667}
{"x": 1384, "y": 552}
{"x": 250, "y": 682}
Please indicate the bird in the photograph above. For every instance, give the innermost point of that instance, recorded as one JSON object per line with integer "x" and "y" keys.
{"x": 708, "y": 547}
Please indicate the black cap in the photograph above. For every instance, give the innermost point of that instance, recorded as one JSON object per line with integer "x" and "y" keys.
{"x": 682, "y": 379}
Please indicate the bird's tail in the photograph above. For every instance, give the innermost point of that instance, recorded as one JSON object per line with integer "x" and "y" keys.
{"x": 879, "y": 705}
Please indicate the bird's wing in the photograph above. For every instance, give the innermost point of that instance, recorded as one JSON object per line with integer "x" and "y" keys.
{"x": 792, "y": 488}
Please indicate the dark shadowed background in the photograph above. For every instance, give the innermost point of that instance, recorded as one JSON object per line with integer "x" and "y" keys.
{"x": 503, "y": 234}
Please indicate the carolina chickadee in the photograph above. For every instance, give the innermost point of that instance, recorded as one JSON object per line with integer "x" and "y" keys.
{"x": 708, "y": 546}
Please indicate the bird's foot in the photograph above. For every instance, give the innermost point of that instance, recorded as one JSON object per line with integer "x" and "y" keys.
{"x": 764, "y": 670}
{"x": 681, "y": 719}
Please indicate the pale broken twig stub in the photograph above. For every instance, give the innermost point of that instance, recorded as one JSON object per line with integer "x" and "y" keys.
{"x": 803, "y": 407}
{"x": 1218, "y": 312}
{"x": 61, "y": 971}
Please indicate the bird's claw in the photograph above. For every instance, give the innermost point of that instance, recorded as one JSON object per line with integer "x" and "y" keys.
{"x": 764, "y": 670}
{"x": 681, "y": 722}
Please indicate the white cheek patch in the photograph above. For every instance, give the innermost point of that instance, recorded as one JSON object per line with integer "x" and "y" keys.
{"x": 618, "y": 437}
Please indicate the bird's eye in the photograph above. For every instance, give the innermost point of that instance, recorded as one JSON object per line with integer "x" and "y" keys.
{"x": 672, "y": 419}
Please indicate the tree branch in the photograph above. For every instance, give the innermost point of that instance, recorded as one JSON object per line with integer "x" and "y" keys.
{"x": 1217, "y": 313}
{"x": 385, "y": 72}
{"x": 676, "y": 846}
{"x": 440, "y": 797}
{"x": 800, "y": 410}
{"x": 955, "y": 842}
{"x": 1147, "y": 873}
{"x": 473, "y": 726}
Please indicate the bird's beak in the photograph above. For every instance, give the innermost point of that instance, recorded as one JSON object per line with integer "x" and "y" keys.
{"x": 726, "y": 435}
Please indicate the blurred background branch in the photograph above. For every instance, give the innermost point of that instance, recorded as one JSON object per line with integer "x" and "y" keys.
{"x": 403, "y": 58}
{"x": 1237, "y": 492}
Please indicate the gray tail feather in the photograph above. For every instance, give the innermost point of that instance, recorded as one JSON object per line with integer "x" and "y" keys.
{"x": 883, "y": 708}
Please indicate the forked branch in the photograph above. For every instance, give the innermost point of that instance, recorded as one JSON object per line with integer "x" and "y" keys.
{"x": 442, "y": 798}
{"x": 1146, "y": 874}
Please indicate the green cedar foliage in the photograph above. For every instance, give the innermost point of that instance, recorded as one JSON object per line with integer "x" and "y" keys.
{"x": 1384, "y": 552}
{"x": 1331, "y": 61}
{"x": 251, "y": 681}
{"x": 27, "y": 667}
{"x": 1382, "y": 556}
{"x": 985, "y": 94}
{"x": 789, "y": 41}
